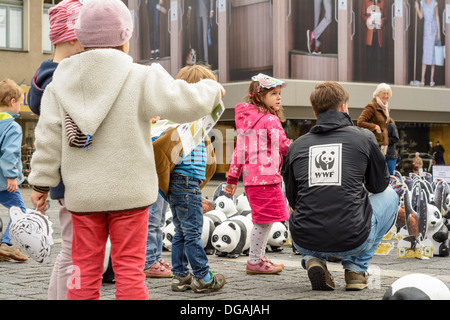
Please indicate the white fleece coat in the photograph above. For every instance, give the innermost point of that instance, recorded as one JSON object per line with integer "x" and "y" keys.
{"x": 112, "y": 99}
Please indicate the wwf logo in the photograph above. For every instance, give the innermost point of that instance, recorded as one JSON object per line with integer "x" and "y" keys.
{"x": 325, "y": 165}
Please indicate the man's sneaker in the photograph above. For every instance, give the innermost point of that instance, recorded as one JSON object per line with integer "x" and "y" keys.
{"x": 319, "y": 276}
{"x": 355, "y": 281}
{"x": 12, "y": 252}
{"x": 263, "y": 266}
{"x": 180, "y": 284}
{"x": 158, "y": 270}
{"x": 216, "y": 283}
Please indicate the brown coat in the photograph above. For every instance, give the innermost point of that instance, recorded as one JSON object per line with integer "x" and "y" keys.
{"x": 164, "y": 147}
{"x": 371, "y": 116}
{"x": 369, "y": 32}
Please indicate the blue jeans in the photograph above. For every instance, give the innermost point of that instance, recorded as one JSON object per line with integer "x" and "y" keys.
{"x": 385, "y": 207}
{"x": 185, "y": 201}
{"x": 156, "y": 217}
{"x": 9, "y": 200}
{"x": 391, "y": 165}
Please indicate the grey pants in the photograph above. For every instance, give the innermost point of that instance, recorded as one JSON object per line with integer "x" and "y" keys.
{"x": 321, "y": 25}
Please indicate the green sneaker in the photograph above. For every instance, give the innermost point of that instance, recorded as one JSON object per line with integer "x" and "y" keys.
{"x": 216, "y": 283}
{"x": 180, "y": 284}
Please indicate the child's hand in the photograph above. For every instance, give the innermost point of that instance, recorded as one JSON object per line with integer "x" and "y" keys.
{"x": 38, "y": 200}
{"x": 12, "y": 185}
{"x": 224, "y": 92}
{"x": 230, "y": 189}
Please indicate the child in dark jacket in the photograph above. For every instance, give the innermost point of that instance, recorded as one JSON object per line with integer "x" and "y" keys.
{"x": 62, "y": 21}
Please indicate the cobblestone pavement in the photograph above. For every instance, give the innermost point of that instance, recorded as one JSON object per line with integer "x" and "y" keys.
{"x": 29, "y": 280}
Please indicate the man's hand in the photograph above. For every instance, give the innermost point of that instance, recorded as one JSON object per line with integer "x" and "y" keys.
{"x": 39, "y": 200}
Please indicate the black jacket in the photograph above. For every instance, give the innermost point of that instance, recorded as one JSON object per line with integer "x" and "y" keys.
{"x": 41, "y": 79}
{"x": 329, "y": 174}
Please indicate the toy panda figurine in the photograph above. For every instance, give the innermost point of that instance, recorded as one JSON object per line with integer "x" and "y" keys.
{"x": 226, "y": 204}
{"x": 168, "y": 233}
{"x": 277, "y": 237}
{"x": 232, "y": 237}
{"x": 242, "y": 204}
{"x": 437, "y": 231}
{"x": 418, "y": 287}
{"x": 210, "y": 222}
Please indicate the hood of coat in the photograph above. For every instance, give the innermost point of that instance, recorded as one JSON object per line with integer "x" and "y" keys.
{"x": 42, "y": 77}
{"x": 6, "y": 118}
{"x": 247, "y": 116}
{"x": 331, "y": 120}
{"x": 87, "y": 85}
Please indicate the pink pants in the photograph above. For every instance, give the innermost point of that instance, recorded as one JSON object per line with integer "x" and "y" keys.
{"x": 128, "y": 234}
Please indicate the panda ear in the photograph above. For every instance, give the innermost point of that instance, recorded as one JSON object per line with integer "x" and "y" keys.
{"x": 232, "y": 226}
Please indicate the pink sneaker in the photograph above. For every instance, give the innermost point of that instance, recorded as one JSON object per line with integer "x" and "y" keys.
{"x": 263, "y": 266}
{"x": 158, "y": 270}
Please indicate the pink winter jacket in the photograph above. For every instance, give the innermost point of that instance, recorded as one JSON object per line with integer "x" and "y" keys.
{"x": 260, "y": 147}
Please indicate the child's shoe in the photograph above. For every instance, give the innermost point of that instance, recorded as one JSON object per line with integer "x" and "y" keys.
{"x": 216, "y": 283}
{"x": 12, "y": 252}
{"x": 180, "y": 284}
{"x": 158, "y": 270}
{"x": 263, "y": 266}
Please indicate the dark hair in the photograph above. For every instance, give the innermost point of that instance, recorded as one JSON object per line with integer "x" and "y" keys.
{"x": 256, "y": 94}
{"x": 328, "y": 95}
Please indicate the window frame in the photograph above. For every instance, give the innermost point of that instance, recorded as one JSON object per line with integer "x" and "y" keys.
{"x": 8, "y": 6}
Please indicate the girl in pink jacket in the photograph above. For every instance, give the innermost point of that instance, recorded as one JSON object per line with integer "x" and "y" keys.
{"x": 260, "y": 147}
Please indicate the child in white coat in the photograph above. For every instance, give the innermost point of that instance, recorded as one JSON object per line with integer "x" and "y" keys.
{"x": 110, "y": 179}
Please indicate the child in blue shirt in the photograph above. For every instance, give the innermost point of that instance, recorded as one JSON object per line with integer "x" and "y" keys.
{"x": 11, "y": 174}
{"x": 185, "y": 199}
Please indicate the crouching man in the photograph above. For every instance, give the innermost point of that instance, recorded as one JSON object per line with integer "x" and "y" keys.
{"x": 337, "y": 183}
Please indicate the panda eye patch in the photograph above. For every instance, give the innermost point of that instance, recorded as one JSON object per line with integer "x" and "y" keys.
{"x": 226, "y": 239}
{"x": 215, "y": 238}
{"x": 276, "y": 234}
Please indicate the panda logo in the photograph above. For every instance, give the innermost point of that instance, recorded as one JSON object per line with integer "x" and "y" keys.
{"x": 325, "y": 161}
{"x": 325, "y": 165}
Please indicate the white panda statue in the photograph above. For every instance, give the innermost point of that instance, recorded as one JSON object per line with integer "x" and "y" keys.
{"x": 210, "y": 221}
{"x": 242, "y": 204}
{"x": 168, "y": 233}
{"x": 232, "y": 237}
{"x": 418, "y": 287}
{"x": 218, "y": 216}
{"x": 437, "y": 232}
{"x": 277, "y": 237}
{"x": 226, "y": 204}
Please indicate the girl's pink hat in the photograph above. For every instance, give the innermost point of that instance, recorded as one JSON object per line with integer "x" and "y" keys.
{"x": 62, "y": 18}
{"x": 104, "y": 24}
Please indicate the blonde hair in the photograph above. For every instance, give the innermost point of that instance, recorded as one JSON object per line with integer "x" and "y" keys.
{"x": 195, "y": 73}
{"x": 382, "y": 87}
{"x": 256, "y": 94}
{"x": 9, "y": 90}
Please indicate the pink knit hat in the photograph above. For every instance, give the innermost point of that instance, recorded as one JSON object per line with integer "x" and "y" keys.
{"x": 62, "y": 18}
{"x": 104, "y": 24}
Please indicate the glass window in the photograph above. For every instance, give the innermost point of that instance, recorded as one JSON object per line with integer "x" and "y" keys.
{"x": 11, "y": 25}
